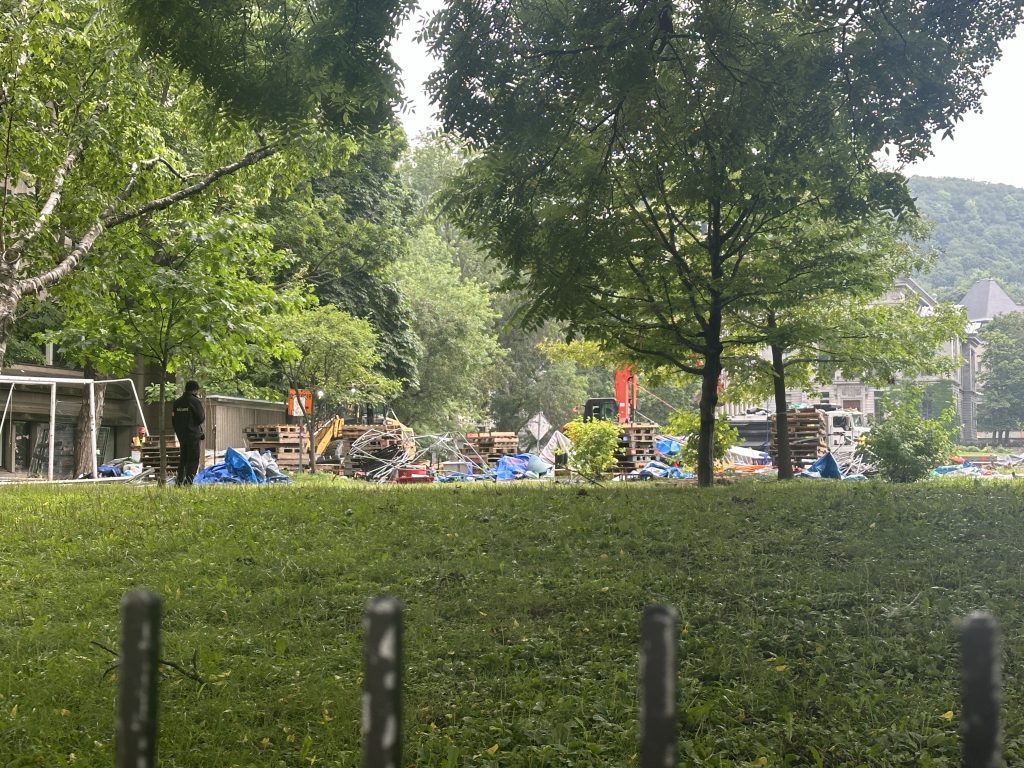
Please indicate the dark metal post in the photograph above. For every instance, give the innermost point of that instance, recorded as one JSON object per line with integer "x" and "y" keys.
{"x": 979, "y": 696}
{"x": 138, "y": 672}
{"x": 382, "y": 683}
{"x": 659, "y": 633}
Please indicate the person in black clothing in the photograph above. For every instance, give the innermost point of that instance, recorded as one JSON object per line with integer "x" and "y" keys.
{"x": 187, "y": 417}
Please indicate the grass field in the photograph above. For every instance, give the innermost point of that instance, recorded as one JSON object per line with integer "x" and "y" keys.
{"x": 818, "y": 619}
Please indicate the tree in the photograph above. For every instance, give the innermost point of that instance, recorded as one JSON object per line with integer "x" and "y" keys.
{"x": 283, "y": 60}
{"x": 346, "y": 229}
{"x": 453, "y": 321}
{"x": 186, "y": 296}
{"x": 817, "y": 304}
{"x": 905, "y": 445}
{"x": 334, "y": 355}
{"x": 1001, "y": 408}
{"x": 97, "y": 137}
{"x": 633, "y": 157}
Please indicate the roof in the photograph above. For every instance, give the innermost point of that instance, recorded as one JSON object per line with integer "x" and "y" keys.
{"x": 986, "y": 299}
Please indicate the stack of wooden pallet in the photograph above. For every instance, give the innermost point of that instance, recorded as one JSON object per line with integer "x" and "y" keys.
{"x": 151, "y": 453}
{"x": 636, "y": 446}
{"x": 287, "y": 442}
{"x": 491, "y": 446}
{"x": 807, "y": 436}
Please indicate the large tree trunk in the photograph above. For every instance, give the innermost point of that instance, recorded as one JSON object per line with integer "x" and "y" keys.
{"x": 84, "y": 427}
{"x": 711, "y": 375}
{"x": 783, "y": 460}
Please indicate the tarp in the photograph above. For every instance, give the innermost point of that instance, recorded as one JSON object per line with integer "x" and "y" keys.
{"x": 656, "y": 469}
{"x": 667, "y": 445}
{"x": 238, "y": 467}
{"x": 557, "y": 442}
{"x": 519, "y": 466}
{"x": 737, "y": 454}
{"x": 826, "y": 467}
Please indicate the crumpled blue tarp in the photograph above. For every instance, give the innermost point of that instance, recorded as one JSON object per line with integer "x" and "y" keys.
{"x": 957, "y": 469}
{"x": 109, "y": 470}
{"x": 826, "y": 467}
{"x": 241, "y": 468}
{"x": 656, "y": 469}
{"x": 667, "y": 446}
{"x": 511, "y": 467}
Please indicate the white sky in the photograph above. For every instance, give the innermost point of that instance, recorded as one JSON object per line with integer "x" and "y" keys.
{"x": 986, "y": 146}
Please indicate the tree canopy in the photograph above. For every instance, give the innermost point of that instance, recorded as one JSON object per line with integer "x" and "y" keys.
{"x": 1001, "y": 408}
{"x": 98, "y": 136}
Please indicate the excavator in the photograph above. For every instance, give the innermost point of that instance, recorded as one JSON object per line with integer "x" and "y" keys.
{"x": 620, "y": 408}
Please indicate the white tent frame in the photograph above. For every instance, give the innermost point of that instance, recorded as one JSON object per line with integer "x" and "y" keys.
{"x": 53, "y": 383}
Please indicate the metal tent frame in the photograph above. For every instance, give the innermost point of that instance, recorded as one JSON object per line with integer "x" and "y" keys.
{"x": 53, "y": 383}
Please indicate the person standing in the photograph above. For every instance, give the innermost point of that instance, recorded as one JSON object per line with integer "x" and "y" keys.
{"x": 187, "y": 417}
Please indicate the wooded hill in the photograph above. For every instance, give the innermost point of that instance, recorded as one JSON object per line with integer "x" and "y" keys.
{"x": 979, "y": 232}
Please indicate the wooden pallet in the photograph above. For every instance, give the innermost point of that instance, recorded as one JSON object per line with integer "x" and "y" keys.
{"x": 275, "y": 434}
{"x": 806, "y": 432}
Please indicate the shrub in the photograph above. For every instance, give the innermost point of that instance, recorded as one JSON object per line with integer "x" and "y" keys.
{"x": 687, "y": 424}
{"x": 594, "y": 444}
{"x": 906, "y": 446}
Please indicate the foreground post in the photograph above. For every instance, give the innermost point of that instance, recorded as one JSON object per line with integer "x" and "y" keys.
{"x": 979, "y": 724}
{"x": 659, "y": 631}
{"x": 138, "y": 672}
{"x": 382, "y": 688}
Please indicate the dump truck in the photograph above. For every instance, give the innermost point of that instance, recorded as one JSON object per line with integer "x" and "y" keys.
{"x": 815, "y": 429}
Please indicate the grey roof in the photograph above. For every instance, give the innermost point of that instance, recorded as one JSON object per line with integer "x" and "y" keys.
{"x": 986, "y": 299}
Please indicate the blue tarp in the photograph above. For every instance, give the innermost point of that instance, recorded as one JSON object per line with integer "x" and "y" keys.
{"x": 667, "y": 446}
{"x": 239, "y": 468}
{"x": 658, "y": 470}
{"x": 825, "y": 467}
{"x": 511, "y": 467}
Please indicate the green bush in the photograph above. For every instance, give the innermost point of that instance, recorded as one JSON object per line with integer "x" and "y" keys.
{"x": 594, "y": 444}
{"x": 687, "y": 424}
{"x": 907, "y": 446}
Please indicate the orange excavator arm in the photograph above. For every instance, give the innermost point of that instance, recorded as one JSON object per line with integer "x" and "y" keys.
{"x": 625, "y": 393}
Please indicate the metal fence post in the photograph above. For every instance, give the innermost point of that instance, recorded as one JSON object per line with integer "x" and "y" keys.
{"x": 138, "y": 672}
{"x": 659, "y": 631}
{"x": 382, "y": 683}
{"x": 979, "y": 695}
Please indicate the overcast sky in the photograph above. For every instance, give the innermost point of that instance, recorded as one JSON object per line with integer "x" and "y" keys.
{"x": 985, "y": 146}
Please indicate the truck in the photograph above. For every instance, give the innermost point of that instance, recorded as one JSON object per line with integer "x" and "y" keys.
{"x": 818, "y": 428}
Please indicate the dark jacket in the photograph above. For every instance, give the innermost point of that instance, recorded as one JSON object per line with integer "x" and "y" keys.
{"x": 187, "y": 416}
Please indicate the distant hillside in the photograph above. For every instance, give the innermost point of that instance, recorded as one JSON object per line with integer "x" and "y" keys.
{"x": 979, "y": 229}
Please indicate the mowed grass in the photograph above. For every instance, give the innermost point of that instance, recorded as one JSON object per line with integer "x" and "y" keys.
{"x": 818, "y": 619}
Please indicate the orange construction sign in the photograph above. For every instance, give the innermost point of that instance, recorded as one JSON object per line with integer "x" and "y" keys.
{"x": 300, "y": 401}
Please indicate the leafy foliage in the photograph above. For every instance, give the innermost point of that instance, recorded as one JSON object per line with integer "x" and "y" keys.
{"x": 281, "y": 59}
{"x": 1002, "y": 376}
{"x": 329, "y": 350}
{"x": 453, "y": 321}
{"x": 687, "y": 424}
{"x": 906, "y": 445}
{"x": 979, "y": 231}
{"x": 594, "y": 444}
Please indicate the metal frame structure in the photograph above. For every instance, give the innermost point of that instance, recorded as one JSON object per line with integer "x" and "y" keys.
{"x": 53, "y": 383}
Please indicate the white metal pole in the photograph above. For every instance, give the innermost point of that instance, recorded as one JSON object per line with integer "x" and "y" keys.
{"x": 93, "y": 427}
{"x": 53, "y": 429}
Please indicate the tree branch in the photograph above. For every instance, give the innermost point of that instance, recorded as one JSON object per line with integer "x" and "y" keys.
{"x": 110, "y": 218}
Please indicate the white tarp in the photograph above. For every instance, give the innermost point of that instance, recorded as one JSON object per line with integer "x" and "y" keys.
{"x": 557, "y": 442}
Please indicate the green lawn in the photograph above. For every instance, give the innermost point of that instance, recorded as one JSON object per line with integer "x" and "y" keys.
{"x": 818, "y": 619}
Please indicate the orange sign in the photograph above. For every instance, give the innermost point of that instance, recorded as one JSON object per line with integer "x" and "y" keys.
{"x": 300, "y": 401}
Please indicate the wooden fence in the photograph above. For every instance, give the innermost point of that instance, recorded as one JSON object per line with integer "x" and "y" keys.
{"x": 382, "y": 666}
